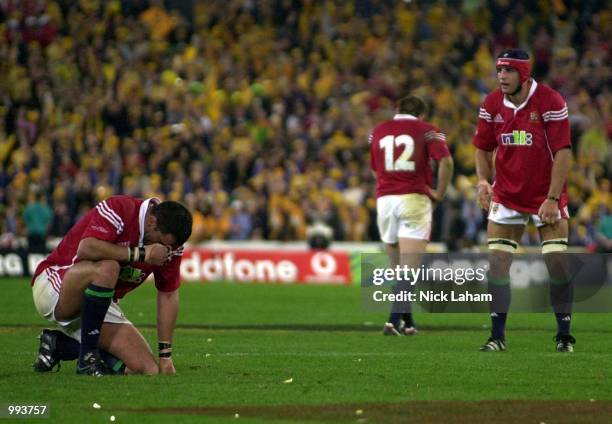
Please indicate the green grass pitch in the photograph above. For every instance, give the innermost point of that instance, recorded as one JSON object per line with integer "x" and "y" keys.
{"x": 311, "y": 354}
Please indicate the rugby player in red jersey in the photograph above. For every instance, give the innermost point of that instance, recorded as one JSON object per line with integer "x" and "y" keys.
{"x": 400, "y": 153}
{"x": 522, "y": 160}
{"x": 108, "y": 253}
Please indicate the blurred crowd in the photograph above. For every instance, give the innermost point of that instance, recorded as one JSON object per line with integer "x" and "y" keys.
{"x": 256, "y": 114}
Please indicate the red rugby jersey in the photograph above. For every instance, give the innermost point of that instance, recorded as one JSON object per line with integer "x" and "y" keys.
{"x": 525, "y": 139}
{"x": 118, "y": 220}
{"x": 400, "y": 153}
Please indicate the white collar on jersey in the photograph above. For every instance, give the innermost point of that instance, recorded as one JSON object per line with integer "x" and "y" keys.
{"x": 404, "y": 116}
{"x": 142, "y": 214}
{"x": 532, "y": 89}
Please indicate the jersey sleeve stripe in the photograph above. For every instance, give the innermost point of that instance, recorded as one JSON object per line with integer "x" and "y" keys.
{"x": 432, "y": 135}
{"x": 108, "y": 217}
{"x": 114, "y": 214}
{"x": 563, "y": 110}
{"x": 563, "y": 115}
{"x": 555, "y": 117}
{"x": 555, "y": 112}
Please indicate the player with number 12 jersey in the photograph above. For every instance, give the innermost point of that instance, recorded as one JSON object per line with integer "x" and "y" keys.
{"x": 401, "y": 150}
{"x": 400, "y": 153}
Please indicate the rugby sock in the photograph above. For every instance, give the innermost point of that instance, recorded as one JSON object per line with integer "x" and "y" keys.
{"x": 563, "y": 323}
{"x": 96, "y": 301}
{"x": 399, "y": 308}
{"x": 408, "y": 320}
{"x": 499, "y": 288}
{"x": 113, "y": 362}
{"x": 561, "y": 297}
{"x": 68, "y": 350}
{"x": 67, "y": 347}
{"x": 498, "y": 325}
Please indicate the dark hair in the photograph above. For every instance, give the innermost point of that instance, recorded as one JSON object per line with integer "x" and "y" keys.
{"x": 513, "y": 54}
{"x": 173, "y": 218}
{"x": 412, "y": 105}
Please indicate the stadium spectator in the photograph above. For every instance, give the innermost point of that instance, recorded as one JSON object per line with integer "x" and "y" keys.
{"x": 241, "y": 224}
{"x": 274, "y": 97}
{"x": 61, "y": 219}
{"x": 37, "y": 217}
{"x": 604, "y": 233}
{"x": 9, "y": 227}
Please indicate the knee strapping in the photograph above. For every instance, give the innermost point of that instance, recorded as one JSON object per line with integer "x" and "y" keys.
{"x": 554, "y": 245}
{"x": 505, "y": 245}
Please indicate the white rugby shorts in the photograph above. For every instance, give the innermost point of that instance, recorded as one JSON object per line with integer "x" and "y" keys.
{"x": 404, "y": 216}
{"x": 501, "y": 214}
{"x": 46, "y": 298}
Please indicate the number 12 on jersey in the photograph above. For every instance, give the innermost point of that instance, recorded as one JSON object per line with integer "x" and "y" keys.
{"x": 403, "y": 162}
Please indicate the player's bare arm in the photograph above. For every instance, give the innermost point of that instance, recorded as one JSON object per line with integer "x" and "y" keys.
{"x": 549, "y": 211}
{"x": 167, "y": 311}
{"x": 445, "y": 173}
{"x": 484, "y": 170}
{"x": 94, "y": 249}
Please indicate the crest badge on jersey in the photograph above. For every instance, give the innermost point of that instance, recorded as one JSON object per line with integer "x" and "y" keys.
{"x": 533, "y": 116}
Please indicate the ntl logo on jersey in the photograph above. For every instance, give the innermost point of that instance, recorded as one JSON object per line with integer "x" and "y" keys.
{"x": 517, "y": 138}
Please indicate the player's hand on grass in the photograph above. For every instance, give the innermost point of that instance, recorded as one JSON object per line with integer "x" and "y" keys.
{"x": 157, "y": 254}
{"x": 549, "y": 211}
{"x": 484, "y": 194}
{"x": 166, "y": 366}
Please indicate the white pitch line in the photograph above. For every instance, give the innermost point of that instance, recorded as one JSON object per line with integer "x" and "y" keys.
{"x": 356, "y": 355}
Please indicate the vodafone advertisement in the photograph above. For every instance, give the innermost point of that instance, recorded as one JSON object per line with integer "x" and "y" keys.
{"x": 266, "y": 266}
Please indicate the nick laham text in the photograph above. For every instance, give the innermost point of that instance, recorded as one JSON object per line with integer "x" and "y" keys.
{"x": 431, "y": 296}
